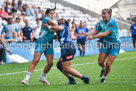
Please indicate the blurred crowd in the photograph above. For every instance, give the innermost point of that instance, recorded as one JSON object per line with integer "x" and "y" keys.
{"x": 20, "y": 22}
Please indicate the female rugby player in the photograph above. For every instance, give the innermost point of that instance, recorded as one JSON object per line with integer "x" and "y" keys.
{"x": 111, "y": 43}
{"x": 43, "y": 45}
{"x": 68, "y": 51}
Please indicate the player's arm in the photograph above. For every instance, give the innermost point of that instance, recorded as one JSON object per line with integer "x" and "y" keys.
{"x": 107, "y": 32}
{"x": 75, "y": 33}
{"x": 57, "y": 28}
{"x": 54, "y": 28}
{"x": 102, "y": 34}
{"x": 50, "y": 22}
{"x": 5, "y": 47}
{"x": 131, "y": 29}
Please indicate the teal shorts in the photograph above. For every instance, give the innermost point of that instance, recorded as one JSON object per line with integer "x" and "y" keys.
{"x": 43, "y": 46}
{"x": 110, "y": 48}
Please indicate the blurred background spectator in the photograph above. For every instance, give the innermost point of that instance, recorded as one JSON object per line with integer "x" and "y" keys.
{"x": 27, "y": 32}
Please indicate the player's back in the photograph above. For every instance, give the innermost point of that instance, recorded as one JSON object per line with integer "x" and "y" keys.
{"x": 64, "y": 36}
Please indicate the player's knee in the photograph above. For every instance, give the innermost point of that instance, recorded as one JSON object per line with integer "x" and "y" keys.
{"x": 66, "y": 70}
{"x": 50, "y": 63}
{"x": 100, "y": 63}
{"x": 108, "y": 65}
{"x": 59, "y": 66}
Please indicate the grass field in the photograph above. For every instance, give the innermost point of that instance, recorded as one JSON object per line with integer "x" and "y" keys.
{"x": 121, "y": 78}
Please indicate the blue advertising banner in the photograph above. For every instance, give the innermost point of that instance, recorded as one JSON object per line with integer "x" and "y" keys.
{"x": 26, "y": 49}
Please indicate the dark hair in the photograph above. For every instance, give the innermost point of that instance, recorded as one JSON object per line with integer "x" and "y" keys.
{"x": 66, "y": 22}
{"x": 48, "y": 10}
{"x": 9, "y": 19}
{"x": 109, "y": 11}
{"x": 37, "y": 19}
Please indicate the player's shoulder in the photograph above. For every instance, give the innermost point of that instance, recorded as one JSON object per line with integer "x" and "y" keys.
{"x": 132, "y": 25}
{"x": 113, "y": 21}
{"x": 47, "y": 18}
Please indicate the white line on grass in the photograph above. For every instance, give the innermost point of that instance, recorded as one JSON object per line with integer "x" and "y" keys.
{"x": 134, "y": 84}
{"x": 121, "y": 59}
{"x": 31, "y": 84}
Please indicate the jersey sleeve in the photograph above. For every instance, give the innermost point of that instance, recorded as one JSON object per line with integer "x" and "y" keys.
{"x": 131, "y": 28}
{"x": 47, "y": 19}
{"x": 16, "y": 28}
{"x": 86, "y": 30}
{"x": 4, "y": 28}
{"x": 98, "y": 27}
{"x": 76, "y": 31}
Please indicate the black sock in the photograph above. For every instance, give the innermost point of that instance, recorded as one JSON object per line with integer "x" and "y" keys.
{"x": 83, "y": 77}
{"x": 71, "y": 78}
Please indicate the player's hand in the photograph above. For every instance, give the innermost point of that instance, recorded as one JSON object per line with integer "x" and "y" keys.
{"x": 90, "y": 37}
{"x": 82, "y": 34}
{"x": 45, "y": 25}
{"x": 8, "y": 51}
{"x": 132, "y": 30}
{"x": 25, "y": 38}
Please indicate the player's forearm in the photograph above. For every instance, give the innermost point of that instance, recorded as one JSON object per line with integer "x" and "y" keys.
{"x": 100, "y": 35}
{"x": 93, "y": 33}
{"x": 57, "y": 28}
{"x": 2, "y": 43}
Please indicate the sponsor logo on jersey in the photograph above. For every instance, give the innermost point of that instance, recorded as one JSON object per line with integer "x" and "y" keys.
{"x": 69, "y": 57}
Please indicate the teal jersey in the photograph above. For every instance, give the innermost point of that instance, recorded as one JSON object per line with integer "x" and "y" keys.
{"x": 112, "y": 27}
{"x": 45, "y": 32}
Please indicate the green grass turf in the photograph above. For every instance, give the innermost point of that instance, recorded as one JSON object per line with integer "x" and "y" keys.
{"x": 121, "y": 78}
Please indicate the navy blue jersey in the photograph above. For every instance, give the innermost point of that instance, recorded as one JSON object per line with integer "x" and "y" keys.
{"x": 79, "y": 30}
{"x": 64, "y": 36}
{"x": 133, "y": 27}
{"x": 27, "y": 32}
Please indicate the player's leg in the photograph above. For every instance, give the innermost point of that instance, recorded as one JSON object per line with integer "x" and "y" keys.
{"x": 101, "y": 61}
{"x": 69, "y": 76}
{"x": 134, "y": 43}
{"x": 47, "y": 69}
{"x": 83, "y": 46}
{"x": 67, "y": 69}
{"x": 50, "y": 59}
{"x": 109, "y": 62}
{"x": 32, "y": 66}
{"x": 112, "y": 54}
{"x": 79, "y": 48}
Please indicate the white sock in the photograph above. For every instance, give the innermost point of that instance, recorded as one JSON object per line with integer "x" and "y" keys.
{"x": 43, "y": 75}
{"x": 103, "y": 77}
{"x": 28, "y": 75}
{"x": 103, "y": 68}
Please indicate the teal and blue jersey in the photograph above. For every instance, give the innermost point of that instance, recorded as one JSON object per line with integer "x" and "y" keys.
{"x": 46, "y": 34}
{"x": 133, "y": 27}
{"x": 64, "y": 36}
{"x": 112, "y": 27}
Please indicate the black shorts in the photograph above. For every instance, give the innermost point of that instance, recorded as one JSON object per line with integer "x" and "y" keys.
{"x": 133, "y": 36}
{"x": 81, "y": 41}
{"x": 67, "y": 53}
